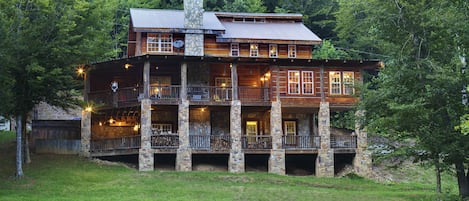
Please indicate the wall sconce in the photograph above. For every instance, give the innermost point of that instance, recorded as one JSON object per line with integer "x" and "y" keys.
{"x": 114, "y": 86}
{"x": 89, "y": 109}
{"x": 127, "y": 66}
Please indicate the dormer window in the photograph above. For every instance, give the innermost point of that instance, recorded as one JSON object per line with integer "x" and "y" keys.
{"x": 291, "y": 51}
{"x": 254, "y": 50}
{"x": 234, "y": 50}
{"x": 159, "y": 42}
{"x": 273, "y": 51}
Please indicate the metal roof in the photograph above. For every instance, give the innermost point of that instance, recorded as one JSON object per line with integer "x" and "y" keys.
{"x": 168, "y": 19}
{"x": 269, "y": 31}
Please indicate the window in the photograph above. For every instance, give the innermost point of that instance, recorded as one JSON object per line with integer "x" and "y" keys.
{"x": 341, "y": 83}
{"x": 251, "y": 131}
{"x": 162, "y": 128}
{"x": 348, "y": 83}
{"x": 308, "y": 82}
{"x": 234, "y": 49}
{"x": 290, "y": 132}
{"x": 291, "y": 51}
{"x": 254, "y": 50}
{"x": 273, "y": 51}
{"x": 335, "y": 83}
{"x": 159, "y": 42}
{"x": 294, "y": 82}
{"x": 223, "y": 89}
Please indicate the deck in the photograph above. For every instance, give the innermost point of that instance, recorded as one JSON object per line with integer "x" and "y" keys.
{"x": 220, "y": 144}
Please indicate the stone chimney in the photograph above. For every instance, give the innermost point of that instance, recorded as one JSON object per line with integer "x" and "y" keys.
{"x": 193, "y": 22}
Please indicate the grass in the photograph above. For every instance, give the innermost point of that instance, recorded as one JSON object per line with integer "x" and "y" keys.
{"x": 56, "y": 177}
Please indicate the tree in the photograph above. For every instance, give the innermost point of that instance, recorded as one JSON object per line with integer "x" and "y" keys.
{"x": 416, "y": 99}
{"x": 251, "y": 6}
{"x": 44, "y": 40}
{"x": 327, "y": 51}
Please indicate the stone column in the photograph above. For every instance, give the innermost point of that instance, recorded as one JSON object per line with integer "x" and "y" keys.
{"x": 362, "y": 163}
{"x": 145, "y": 153}
{"x": 325, "y": 159}
{"x": 277, "y": 153}
{"x": 184, "y": 152}
{"x": 85, "y": 133}
{"x": 236, "y": 160}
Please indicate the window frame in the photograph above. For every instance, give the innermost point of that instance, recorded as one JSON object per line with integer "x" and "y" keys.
{"x": 303, "y": 83}
{"x": 234, "y": 49}
{"x": 349, "y": 83}
{"x": 253, "y": 52}
{"x": 289, "y": 82}
{"x": 156, "y": 43}
{"x": 338, "y": 85}
{"x": 270, "y": 51}
{"x": 291, "y": 51}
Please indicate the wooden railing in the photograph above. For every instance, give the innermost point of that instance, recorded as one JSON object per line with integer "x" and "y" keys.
{"x": 165, "y": 141}
{"x": 209, "y": 93}
{"x": 165, "y": 92}
{"x": 256, "y": 141}
{"x": 253, "y": 94}
{"x": 344, "y": 142}
{"x": 110, "y": 98}
{"x": 210, "y": 142}
{"x": 109, "y": 144}
{"x": 301, "y": 142}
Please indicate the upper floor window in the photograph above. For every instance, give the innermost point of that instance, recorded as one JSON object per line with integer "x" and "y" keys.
{"x": 341, "y": 83}
{"x": 254, "y": 50}
{"x": 273, "y": 51}
{"x": 234, "y": 49}
{"x": 293, "y": 82}
{"x": 159, "y": 42}
{"x": 307, "y": 79}
{"x": 291, "y": 51}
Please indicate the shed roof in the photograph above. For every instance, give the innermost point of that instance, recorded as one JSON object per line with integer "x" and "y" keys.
{"x": 168, "y": 19}
{"x": 296, "y": 31}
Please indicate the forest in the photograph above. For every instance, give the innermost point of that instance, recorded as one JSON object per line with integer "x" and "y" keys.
{"x": 418, "y": 99}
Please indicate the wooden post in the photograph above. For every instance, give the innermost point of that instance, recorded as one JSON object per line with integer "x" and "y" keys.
{"x": 234, "y": 80}
{"x": 323, "y": 96}
{"x": 146, "y": 79}
{"x": 183, "y": 91}
{"x": 138, "y": 48}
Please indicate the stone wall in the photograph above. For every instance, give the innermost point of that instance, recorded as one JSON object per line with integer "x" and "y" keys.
{"x": 199, "y": 122}
{"x": 44, "y": 111}
{"x": 303, "y": 122}
{"x": 220, "y": 122}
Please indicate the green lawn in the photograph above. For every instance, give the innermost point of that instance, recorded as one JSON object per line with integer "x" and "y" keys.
{"x": 54, "y": 177}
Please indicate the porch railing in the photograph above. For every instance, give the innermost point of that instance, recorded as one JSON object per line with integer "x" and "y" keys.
{"x": 256, "y": 141}
{"x": 209, "y": 93}
{"x": 108, "y": 97}
{"x": 165, "y": 141}
{"x": 253, "y": 94}
{"x": 210, "y": 142}
{"x": 165, "y": 92}
{"x": 301, "y": 142}
{"x": 109, "y": 144}
{"x": 344, "y": 142}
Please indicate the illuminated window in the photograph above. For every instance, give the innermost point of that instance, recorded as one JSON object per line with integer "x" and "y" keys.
{"x": 348, "y": 80}
{"x": 291, "y": 51}
{"x": 254, "y": 50}
{"x": 307, "y": 79}
{"x": 335, "y": 83}
{"x": 159, "y": 42}
{"x": 251, "y": 131}
{"x": 294, "y": 82}
{"x": 273, "y": 51}
{"x": 290, "y": 132}
{"x": 234, "y": 49}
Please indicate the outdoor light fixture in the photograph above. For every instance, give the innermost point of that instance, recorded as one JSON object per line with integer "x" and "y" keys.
{"x": 114, "y": 86}
{"x": 89, "y": 109}
{"x": 127, "y": 66}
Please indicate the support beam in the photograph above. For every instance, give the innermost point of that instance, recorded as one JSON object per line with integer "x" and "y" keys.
{"x": 138, "y": 48}
{"x": 145, "y": 153}
{"x": 362, "y": 163}
{"x": 85, "y": 134}
{"x": 183, "y": 91}
{"x": 236, "y": 160}
{"x": 146, "y": 79}
{"x": 325, "y": 158}
{"x": 234, "y": 81}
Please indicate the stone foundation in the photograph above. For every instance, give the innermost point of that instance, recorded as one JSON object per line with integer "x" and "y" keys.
{"x": 362, "y": 163}
{"x": 325, "y": 163}
{"x": 277, "y": 161}
{"x": 85, "y": 133}
{"x": 145, "y": 160}
{"x": 184, "y": 159}
{"x": 236, "y": 161}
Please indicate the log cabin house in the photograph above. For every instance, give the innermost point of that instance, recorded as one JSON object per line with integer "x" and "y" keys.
{"x": 236, "y": 85}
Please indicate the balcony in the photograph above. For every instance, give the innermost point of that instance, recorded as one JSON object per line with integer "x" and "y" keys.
{"x": 212, "y": 143}
{"x": 256, "y": 142}
{"x": 343, "y": 142}
{"x": 298, "y": 142}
